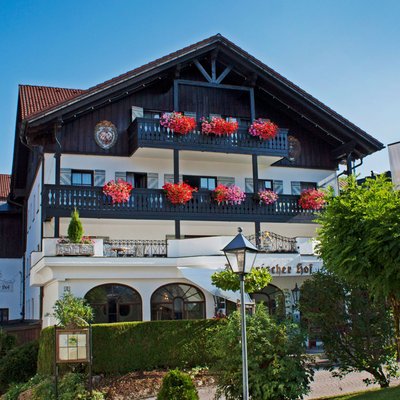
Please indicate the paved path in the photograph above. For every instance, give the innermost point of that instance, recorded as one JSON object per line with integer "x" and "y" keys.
{"x": 324, "y": 385}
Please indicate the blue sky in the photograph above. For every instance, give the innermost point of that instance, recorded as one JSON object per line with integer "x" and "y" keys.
{"x": 344, "y": 52}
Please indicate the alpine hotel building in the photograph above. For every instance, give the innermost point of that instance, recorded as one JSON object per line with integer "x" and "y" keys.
{"x": 151, "y": 259}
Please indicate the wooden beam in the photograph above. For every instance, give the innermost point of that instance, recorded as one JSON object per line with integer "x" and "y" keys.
{"x": 176, "y": 166}
{"x": 254, "y": 160}
{"x": 252, "y": 105}
{"x": 203, "y": 71}
{"x": 224, "y": 74}
{"x": 176, "y": 95}
{"x": 343, "y": 150}
{"x": 214, "y": 85}
{"x": 214, "y": 70}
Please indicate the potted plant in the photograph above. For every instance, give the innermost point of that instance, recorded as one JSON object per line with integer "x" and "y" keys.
{"x": 263, "y": 128}
{"x": 178, "y": 122}
{"x": 218, "y": 126}
{"x": 76, "y": 244}
{"x": 228, "y": 194}
{"x": 119, "y": 191}
{"x": 266, "y": 196}
{"x": 179, "y": 193}
{"x": 312, "y": 199}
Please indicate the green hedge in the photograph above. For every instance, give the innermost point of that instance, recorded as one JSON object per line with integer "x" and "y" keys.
{"x": 129, "y": 346}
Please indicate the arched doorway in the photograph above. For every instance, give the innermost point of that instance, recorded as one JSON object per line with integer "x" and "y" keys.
{"x": 177, "y": 301}
{"x": 273, "y": 298}
{"x": 115, "y": 303}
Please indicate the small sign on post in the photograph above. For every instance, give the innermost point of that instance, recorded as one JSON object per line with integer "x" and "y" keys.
{"x": 73, "y": 346}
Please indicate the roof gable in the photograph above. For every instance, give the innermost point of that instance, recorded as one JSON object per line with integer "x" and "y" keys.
{"x": 38, "y": 108}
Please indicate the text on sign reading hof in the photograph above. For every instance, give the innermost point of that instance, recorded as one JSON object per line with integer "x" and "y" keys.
{"x": 299, "y": 269}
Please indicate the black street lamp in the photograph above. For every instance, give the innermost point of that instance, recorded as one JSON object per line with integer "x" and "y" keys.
{"x": 241, "y": 255}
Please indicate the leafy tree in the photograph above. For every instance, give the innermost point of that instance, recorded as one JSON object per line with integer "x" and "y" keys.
{"x": 255, "y": 281}
{"x": 75, "y": 229}
{"x": 356, "y": 330}
{"x": 7, "y": 342}
{"x": 177, "y": 385}
{"x": 71, "y": 310}
{"x": 359, "y": 239}
{"x": 276, "y": 360}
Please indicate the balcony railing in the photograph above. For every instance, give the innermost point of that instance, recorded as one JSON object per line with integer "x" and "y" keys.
{"x": 152, "y": 204}
{"x": 149, "y": 133}
{"x": 270, "y": 242}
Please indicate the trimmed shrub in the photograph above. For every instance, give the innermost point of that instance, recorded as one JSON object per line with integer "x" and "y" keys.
{"x": 7, "y": 342}
{"x": 130, "y": 346}
{"x": 177, "y": 385}
{"x": 75, "y": 229}
{"x": 18, "y": 365}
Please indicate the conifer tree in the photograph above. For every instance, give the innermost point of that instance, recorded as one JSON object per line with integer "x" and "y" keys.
{"x": 75, "y": 229}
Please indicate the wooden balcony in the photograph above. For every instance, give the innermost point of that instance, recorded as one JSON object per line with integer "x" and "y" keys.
{"x": 59, "y": 201}
{"x": 149, "y": 133}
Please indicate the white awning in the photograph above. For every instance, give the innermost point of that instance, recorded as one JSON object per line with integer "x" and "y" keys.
{"x": 202, "y": 278}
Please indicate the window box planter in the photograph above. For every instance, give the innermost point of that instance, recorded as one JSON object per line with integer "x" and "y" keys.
{"x": 74, "y": 249}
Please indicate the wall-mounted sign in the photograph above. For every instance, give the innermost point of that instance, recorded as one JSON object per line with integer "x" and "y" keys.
{"x": 105, "y": 134}
{"x": 72, "y": 345}
{"x": 6, "y": 286}
{"x": 299, "y": 269}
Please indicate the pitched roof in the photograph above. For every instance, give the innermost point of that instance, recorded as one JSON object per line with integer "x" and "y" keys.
{"x": 67, "y": 96}
{"x": 4, "y": 186}
{"x": 34, "y": 99}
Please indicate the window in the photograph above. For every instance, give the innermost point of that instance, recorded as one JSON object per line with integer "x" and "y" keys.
{"x": 273, "y": 299}
{"x": 298, "y": 187}
{"x": 115, "y": 303}
{"x": 3, "y": 314}
{"x": 265, "y": 184}
{"x": 152, "y": 114}
{"x": 82, "y": 178}
{"x": 137, "y": 180}
{"x": 201, "y": 182}
{"x": 177, "y": 301}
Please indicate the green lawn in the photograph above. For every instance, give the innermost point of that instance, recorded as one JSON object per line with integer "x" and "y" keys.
{"x": 384, "y": 394}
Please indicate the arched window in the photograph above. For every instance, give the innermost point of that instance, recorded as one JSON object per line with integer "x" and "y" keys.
{"x": 273, "y": 298}
{"x": 115, "y": 303}
{"x": 177, "y": 301}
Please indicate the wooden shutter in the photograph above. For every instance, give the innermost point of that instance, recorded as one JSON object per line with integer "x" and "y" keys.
{"x": 152, "y": 180}
{"x": 296, "y": 188}
{"x": 278, "y": 187}
{"x": 120, "y": 175}
{"x": 65, "y": 176}
{"x": 137, "y": 112}
{"x": 169, "y": 178}
{"x": 225, "y": 180}
{"x": 248, "y": 185}
{"x": 99, "y": 177}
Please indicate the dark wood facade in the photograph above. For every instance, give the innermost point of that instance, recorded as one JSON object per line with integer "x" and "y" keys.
{"x": 11, "y": 238}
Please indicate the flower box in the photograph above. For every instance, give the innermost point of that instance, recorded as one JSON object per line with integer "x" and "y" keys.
{"x": 263, "y": 128}
{"x": 312, "y": 199}
{"x": 228, "y": 194}
{"x": 218, "y": 126}
{"x": 74, "y": 249}
{"x": 267, "y": 196}
{"x": 179, "y": 193}
{"x": 178, "y": 123}
{"x": 119, "y": 191}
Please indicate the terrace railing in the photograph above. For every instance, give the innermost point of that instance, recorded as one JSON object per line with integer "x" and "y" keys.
{"x": 149, "y": 133}
{"x": 135, "y": 248}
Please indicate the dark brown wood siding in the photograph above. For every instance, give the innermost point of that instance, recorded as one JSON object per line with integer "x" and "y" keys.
{"x": 77, "y": 133}
{"x": 10, "y": 235}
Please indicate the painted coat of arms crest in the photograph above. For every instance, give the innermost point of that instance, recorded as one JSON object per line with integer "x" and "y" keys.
{"x": 105, "y": 134}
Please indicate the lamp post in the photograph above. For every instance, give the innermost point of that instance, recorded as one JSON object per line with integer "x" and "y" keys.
{"x": 241, "y": 255}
